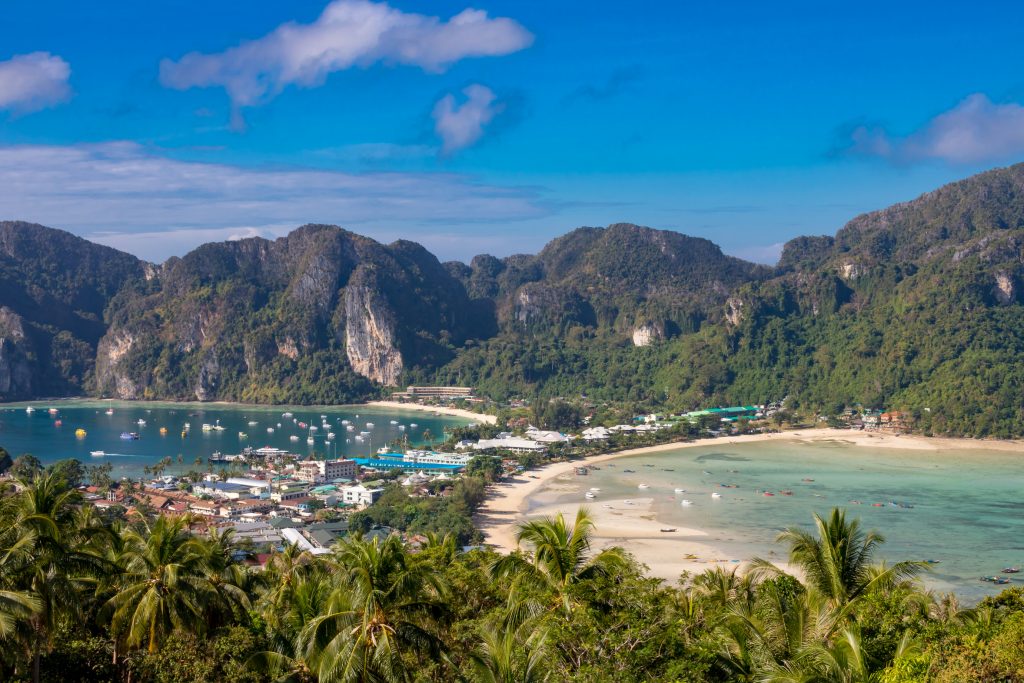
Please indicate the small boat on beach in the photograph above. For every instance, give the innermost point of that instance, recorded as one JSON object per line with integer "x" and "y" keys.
{"x": 768, "y": 493}
{"x": 590, "y": 494}
{"x": 716, "y": 494}
{"x": 680, "y": 490}
{"x": 668, "y": 529}
{"x": 687, "y": 503}
{"x": 1011, "y": 570}
{"x": 643, "y": 486}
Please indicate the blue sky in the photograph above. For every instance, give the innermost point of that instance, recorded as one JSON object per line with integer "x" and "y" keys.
{"x": 495, "y": 126}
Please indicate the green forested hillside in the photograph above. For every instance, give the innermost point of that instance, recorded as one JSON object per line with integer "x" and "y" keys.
{"x": 916, "y": 307}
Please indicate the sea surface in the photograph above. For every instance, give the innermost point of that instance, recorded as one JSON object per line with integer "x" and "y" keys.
{"x": 962, "y": 508}
{"x": 40, "y": 434}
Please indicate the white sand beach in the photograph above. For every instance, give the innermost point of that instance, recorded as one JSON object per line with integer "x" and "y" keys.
{"x": 635, "y": 528}
{"x": 443, "y": 410}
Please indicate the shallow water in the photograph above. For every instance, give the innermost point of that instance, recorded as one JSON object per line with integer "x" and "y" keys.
{"x": 38, "y": 433}
{"x": 967, "y": 505}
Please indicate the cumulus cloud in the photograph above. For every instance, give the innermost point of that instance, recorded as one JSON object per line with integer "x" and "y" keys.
{"x": 154, "y": 206}
{"x": 349, "y": 33}
{"x": 33, "y": 81}
{"x": 462, "y": 125}
{"x": 974, "y": 131}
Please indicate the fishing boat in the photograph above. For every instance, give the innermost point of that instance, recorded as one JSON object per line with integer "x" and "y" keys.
{"x": 293, "y": 438}
{"x": 141, "y": 422}
{"x": 369, "y": 425}
{"x": 394, "y": 422}
{"x": 588, "y": 494}
{"x": 288, "y": 415}
{"x": 643, "y": 486}
{"x": 716, "y": 494}
{"x": 768, "y": 493}
{"x": 413, "y": 425}
{"x": 97, "y": 454}
{"x": 687, "y": 503}
{"x": 1011, "y": 570}
{"x": 330, "y": 436}
{"x": 680, "y": 490}
{"x": 30, "y": 409}
{"x": 110, "y": 411}
{"x": 80, "y": 433}
{"x": 163, "y": 431}
{"x": 668, "y": 529}
{"x": 309, "y": 441}
{"x": 270, "y": 430}
{"x": 129, "y": 436}
{"x": 243, "y": 435}
{"x": 58, "y": 423}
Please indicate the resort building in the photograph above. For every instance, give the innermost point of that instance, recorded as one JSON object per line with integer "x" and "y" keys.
{"x": 360, "y": 495}
{"x": 321, "y": 471}
{"x": 446, "y": 393}
{"x": 507, "y": 442}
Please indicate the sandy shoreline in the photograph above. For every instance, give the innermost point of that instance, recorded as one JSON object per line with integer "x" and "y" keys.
{"x": 454, "y": 412}
{"x": 634, "y": 526}
{"x": 396, "y": 405}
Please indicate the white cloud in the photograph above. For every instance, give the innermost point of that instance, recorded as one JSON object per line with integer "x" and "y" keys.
{"x": 460, "y": 126}
{"x": 156, "y": 206}
{"x": 349, "y": 33}
{"x": 974, "y": 131}
{"x": 33, "y": 81}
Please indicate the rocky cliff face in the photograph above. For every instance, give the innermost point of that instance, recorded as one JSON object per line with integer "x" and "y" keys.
{"x": 15, "y": 370}
{"x": 321, "y": 314}
{"x": 370, "y": 339}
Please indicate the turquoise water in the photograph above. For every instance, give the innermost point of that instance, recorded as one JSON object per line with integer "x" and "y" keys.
{"x": 39, "y": 434}
{"x": 968, "y": 505}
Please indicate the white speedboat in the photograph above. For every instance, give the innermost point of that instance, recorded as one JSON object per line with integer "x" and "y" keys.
{"x": 97, "y": 454}
{"x": 413, "y": 425}
{"x": 330, "y": 435}
{"x": 643, "y": 486}
{"x": 594, "y": 488}
{"x": 687, "y": 503}
{"x": 312, "y": 428}
{"x": 394, "y": 422}
{"x": 680, "y": 490}
{"x": 270, "y": 430}
{"x": 293, "y": 438}
{"x": 590, "y": 494}
{"x": 369, "y": 425}
{"x": 716, "y": 494}
{"x": 286, "y": 414}
{"x": 141, "y": 423}
{"x": 310, "y": 441}
{"x": 253, "y": 423}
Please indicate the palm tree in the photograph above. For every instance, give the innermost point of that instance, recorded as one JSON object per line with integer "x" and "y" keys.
{"x": 57, "y": 564}
{"x": 165, "y": 585}
{"x": 383, "y": 606}
{"x": 505, "y": 656}
{"x": 839, "y": 561}
{"x": 560, "y": 561}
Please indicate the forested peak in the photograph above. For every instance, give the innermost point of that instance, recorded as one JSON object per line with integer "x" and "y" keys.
{"x": 637, "y": 256}
{"x": 940, "y": 223}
